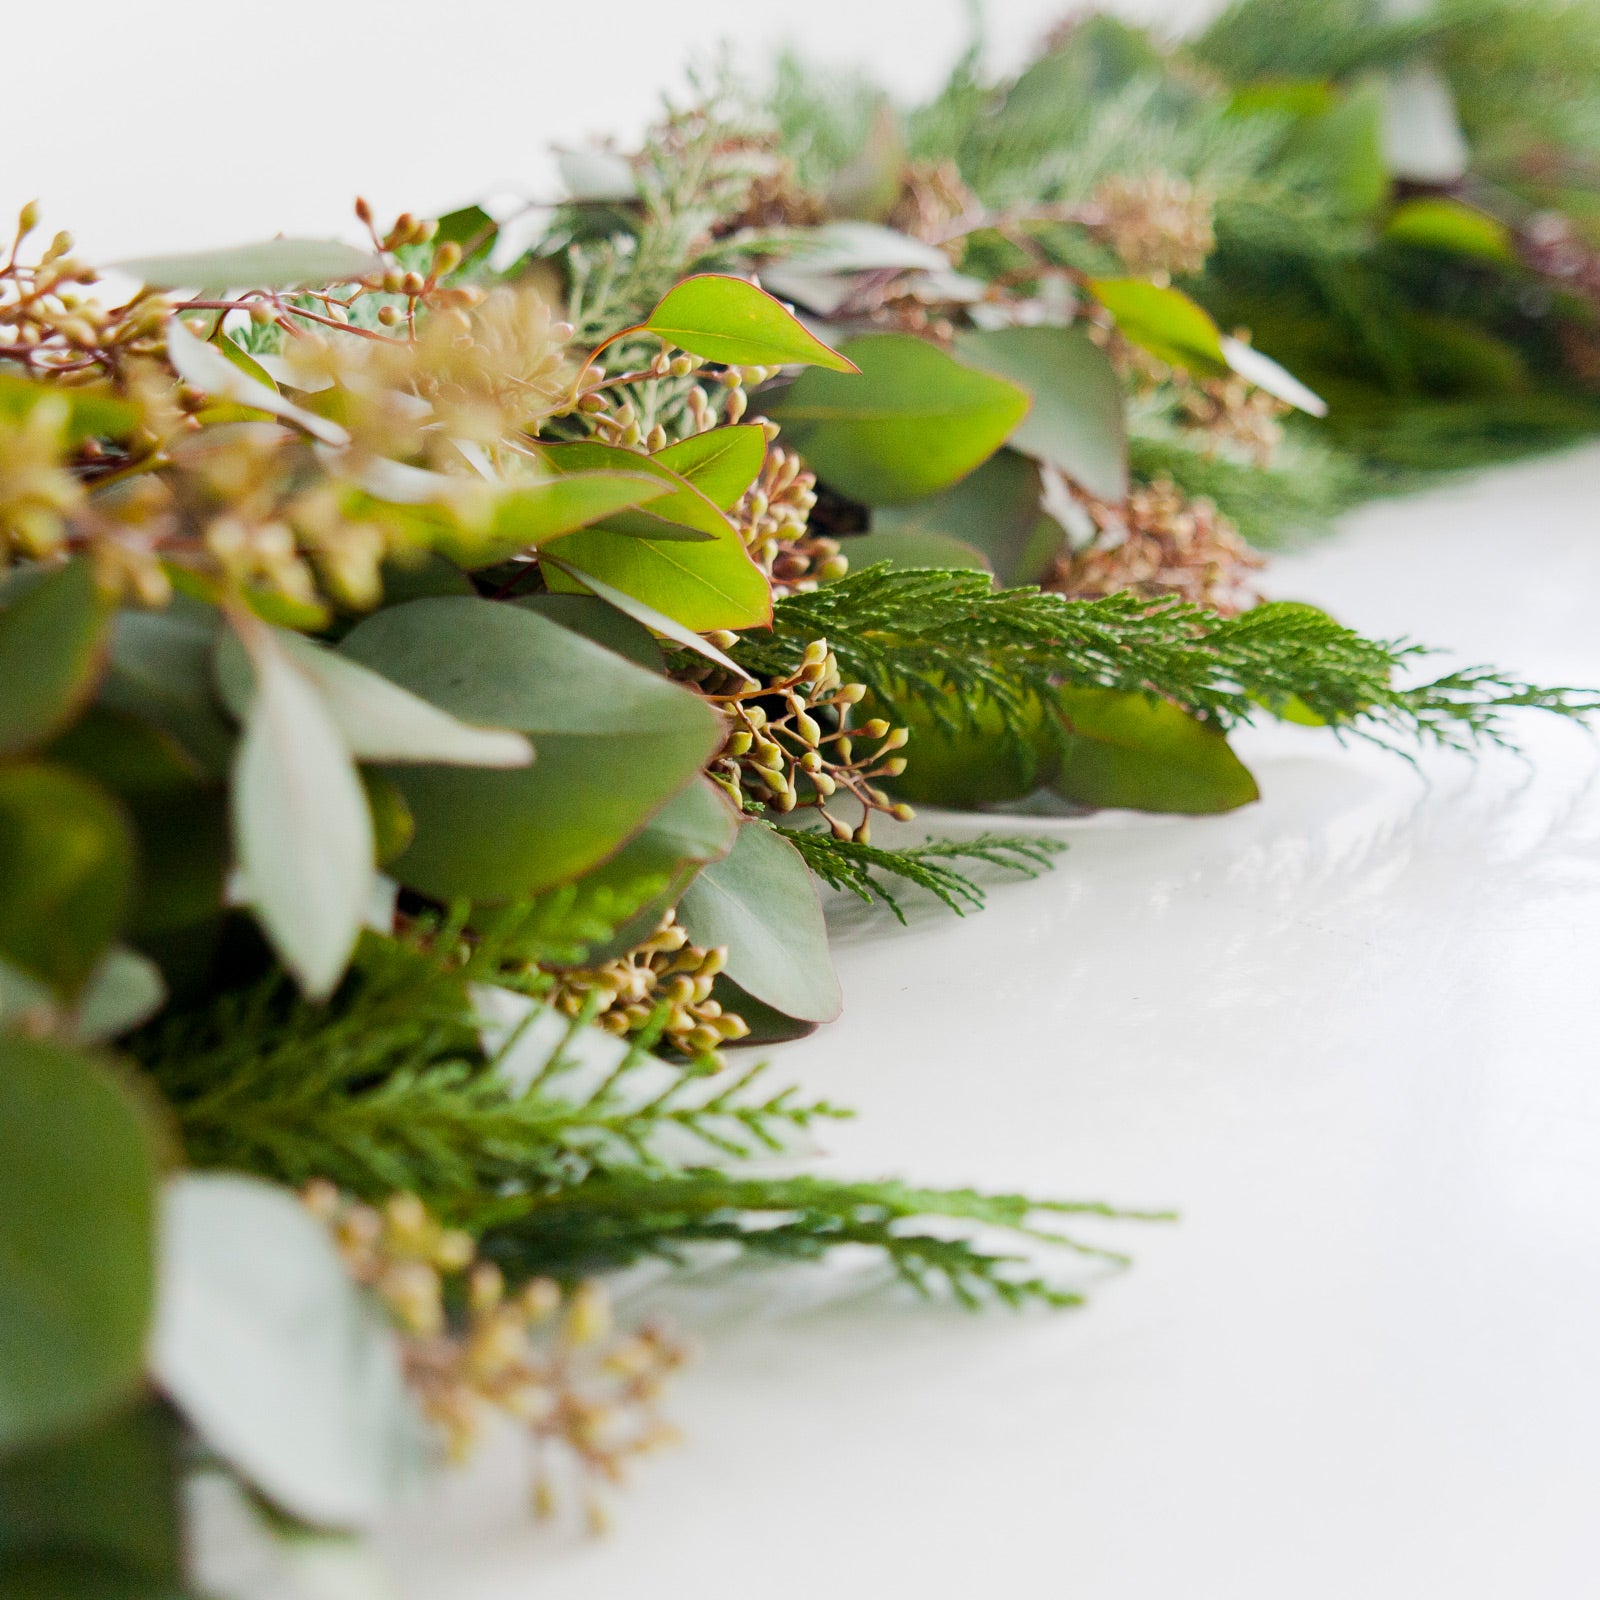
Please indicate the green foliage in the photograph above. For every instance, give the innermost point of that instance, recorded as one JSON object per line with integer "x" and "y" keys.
{"x": 627, "y": 1216}
{"x": 860, "y": 868}
{"x": 52, "y": 649}
{"x": 77, "y": 1219}
{"x": 726, "y": 319}
{"x": 946, "y": 641}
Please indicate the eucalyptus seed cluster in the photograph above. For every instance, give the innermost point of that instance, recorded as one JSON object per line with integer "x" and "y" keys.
{"x": 1159, "y": 543}
{"x": 54, "y": 327}
{"x": 1232, "y": 411}
{"x": 773, "y": 518}
{"x": 665, "y": 971}
{"x": 545, "y": 1357}
{"x": 1158, "y": 223}
{"x": 790, "y": 744}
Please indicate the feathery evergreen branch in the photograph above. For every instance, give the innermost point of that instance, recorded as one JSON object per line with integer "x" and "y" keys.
{"x": 947, "y": 643}
{"x": 851, "y": 865}
{"x": 626, "y": 1217}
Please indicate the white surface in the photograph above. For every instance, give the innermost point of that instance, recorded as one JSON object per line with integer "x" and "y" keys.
{"x": 1350, "y": 1032}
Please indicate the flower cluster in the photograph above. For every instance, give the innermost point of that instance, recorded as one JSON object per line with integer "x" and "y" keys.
{"x": 664, "y": 976}
{"x": 544, "y": 1356}
{"x": 796, "y": 731}
{"x": 1157, "y": 223}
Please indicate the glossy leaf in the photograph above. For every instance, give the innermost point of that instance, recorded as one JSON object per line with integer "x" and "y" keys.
{"x": 1147, "y": 755}
{"x": 377, "y": 720}
{"x": 1164, "y": 321}
{"x": 680, "y": 511}
{"x": 761, "y": 903}
{"x": 994, "y": 510}
{"x": 1076, "y": 421}
{"x": 532, "y": 515}
{"x": 911, "y": 424}
{"x": 721, "y": 462}
{"x": 649, "y": 617}
{"x": 727, "y": 319}
{"x": 52, "y": 649}
{"x": 92, "y": 410}
{"x": 1436, "y": 222}
{"x": 95, "y": 1515}
{"x": 614, "y": 743}
{"x": 77, "y": 1175}
{"x": 272, "y": 264}
{"x": 67, "y": 867}
{"x": 301, "y": 828}
{"x": 285, "y": 1367}
{"x": 204, "y": 367}
{"x": 990, "y": 759}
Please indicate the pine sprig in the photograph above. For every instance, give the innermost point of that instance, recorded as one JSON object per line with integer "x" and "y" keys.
{"x": 627, "y": 1217}
{"x": 946, "y": 643}
{"x": 849, "y": 864}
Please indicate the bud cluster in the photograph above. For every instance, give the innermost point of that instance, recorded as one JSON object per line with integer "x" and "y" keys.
{"x": 666, "y": 972}
{"x": 541, "y": 1355}
{"x": 773, "y": 520}
{"x": 791, "y": 744}
{"x": 1232, "y": 411}
{"x": 1158, "y": 224}
{"x": 1161, "y": 543}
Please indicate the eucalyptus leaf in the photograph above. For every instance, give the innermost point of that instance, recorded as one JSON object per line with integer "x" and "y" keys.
{"x": 95, "y": 1515}
{"x": 994, "y": 510}
{"x": 272, "y": 264}
{"x": 911, "y": 424}
{"x": 1133, "y": 751}
{"x": 614, "y": 742}
{"x": 301, "y": 828}
{"x": 678, "y": 511}
{"x": 594, "y": 619}
{"x": 125, "y": 990}
{"x": 533, "y": 514}
{"x": 913, "y": 547}
{"x": 67, "y": 866}
{"x": 730, "y": 320}
{"x": 77, "y": 1176}
{"x": 1076, "y": 421}
{"x": 91, "y": 410}
{"x": 721, "y": 463}
{"x": 206, "y": 368}
{"x": 596, "y": 175}
{"x": 53, "y": 643}
{"x": 1265, "y": 373}
{"x": 761, "y": 903}
{"x": 376, "y": 719}
{"x": 1436, "y": 222}
{"x": 1164, "y": 321}
{"x": 285, "y": 1367}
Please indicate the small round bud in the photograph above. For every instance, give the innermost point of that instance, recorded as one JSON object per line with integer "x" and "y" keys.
{"x": 874, "y": 728}
{"x": 28, "y": 218}
{"x": 446, "y": 258}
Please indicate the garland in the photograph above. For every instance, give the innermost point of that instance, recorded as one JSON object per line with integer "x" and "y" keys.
{"x": 440, "y": 674}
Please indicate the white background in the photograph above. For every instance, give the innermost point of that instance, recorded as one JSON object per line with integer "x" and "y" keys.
{"x": 1348, "y": 1031}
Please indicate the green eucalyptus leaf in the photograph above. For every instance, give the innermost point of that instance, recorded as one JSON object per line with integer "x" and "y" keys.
{"x": 911, "y": 424}
{"x": 301, "y": 828}
{"x": 993, "y": 510}
{"x": 534, "y": 514}
{"x": 286, "y": 1368}
{"x": 91, "y": 411}
{"x": 272, "y": 264}
{"x": 204, "y": 367}
{"x": 730, "y": 320}
{"x": 679, "y": 511}
{"x": 761, "y": 903}
{"x": 912, "y": 547}
{"x": 125, "y": 990}
{"x": 376, "y": 719}
{"x": 989, "y": 759}
{"x": 67, "y": 864}
{"x": 160, "y": 671}
{"x": 1164, "y": 321}
{"x": 1130, "y": 750}
{"x": 77, "y": 1176}
{"x": 53, "y": 642}
{"x": 609, "y": 911}
{"x": 1436, "y": 222}
{"x": 766, "y": 1024}
{"x": 95, "y": 1516}
{"x": 721, "y": 463}
{"x": 647, "y": 616}
{"x": 128, "y": 755}
{"x": 594, "y": 619}
{"x": 1076, "y": 422}
{"x": 614, "y": 743}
